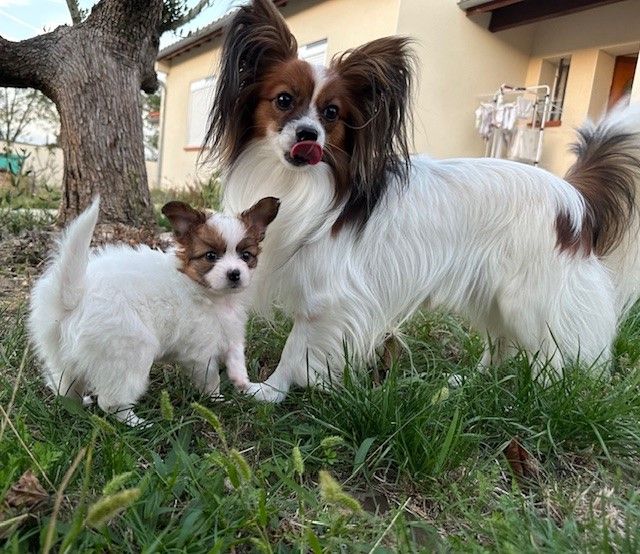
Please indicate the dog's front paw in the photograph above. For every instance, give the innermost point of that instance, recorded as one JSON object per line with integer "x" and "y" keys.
{"x": 241, "y": 384}
{"x": 264, "y": 392}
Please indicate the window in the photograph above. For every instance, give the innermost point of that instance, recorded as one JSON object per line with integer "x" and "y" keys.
{"x": 200, "y": 99}
{"x": 315, "y": 52}
{"x": 559, "y": 88}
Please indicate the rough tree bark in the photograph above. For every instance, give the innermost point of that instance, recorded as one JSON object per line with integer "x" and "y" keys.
{"x": 93, "y": 72}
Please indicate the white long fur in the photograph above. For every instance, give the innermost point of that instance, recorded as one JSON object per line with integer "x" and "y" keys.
{"x": 98, "y": 320}
{"x": 473, "y": 236}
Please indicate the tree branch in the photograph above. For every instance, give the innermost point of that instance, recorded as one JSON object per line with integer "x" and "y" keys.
{"x": 74, "y": 11}
{"x": 30, "y": 62}
{"x": 191, "y": 14}
{"x": 129, "y": 19}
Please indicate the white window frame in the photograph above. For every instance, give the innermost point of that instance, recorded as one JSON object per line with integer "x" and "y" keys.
{"x": 314, "y": 52}
{"x": 204, "y": 88}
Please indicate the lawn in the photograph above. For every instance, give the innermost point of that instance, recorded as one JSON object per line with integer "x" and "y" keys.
{"x": 498, "y": 464}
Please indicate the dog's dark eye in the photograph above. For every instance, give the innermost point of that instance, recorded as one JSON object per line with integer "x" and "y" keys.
{"x": 246, "y": 256}
{"x": 330, "y": 113}
{"x": 284, "y": 101}
{"x": 211, "y": 256}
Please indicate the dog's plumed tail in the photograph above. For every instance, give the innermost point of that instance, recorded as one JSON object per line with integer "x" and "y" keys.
{"x": 607, "y": 174}
{"x": 70, "y": 263}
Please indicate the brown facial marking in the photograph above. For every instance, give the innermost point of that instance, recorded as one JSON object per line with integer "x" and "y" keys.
{"x": 257, "y": 40}
{"x": 194, "y": 248}
{"x": 251, "y": 245}
{"x": 294, "y": 77}
{"x": 337, "y": 149}
{"x": 195, "y": 239}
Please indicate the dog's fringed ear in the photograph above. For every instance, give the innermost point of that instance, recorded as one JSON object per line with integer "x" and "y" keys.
{"x": 183, "y": 218}
{"x": 258, "y": 216}
{"x": 256, "y": 39}
{"x": 380, "y": 76}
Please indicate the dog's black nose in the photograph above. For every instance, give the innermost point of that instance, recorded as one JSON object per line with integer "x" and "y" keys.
{"x": 306, "y": 133}
{"x": 233, "y": 275}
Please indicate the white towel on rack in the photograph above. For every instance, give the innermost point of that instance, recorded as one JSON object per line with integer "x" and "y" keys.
{"x": 505, "y": 116}
{"x": 524, "y": 108}
{"x": 524, "y": 145}
{"x": 484, "y": 119}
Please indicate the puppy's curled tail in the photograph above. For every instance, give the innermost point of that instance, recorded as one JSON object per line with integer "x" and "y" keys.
{"x": 70, "y": 263}
{"x": 607, "y": 174}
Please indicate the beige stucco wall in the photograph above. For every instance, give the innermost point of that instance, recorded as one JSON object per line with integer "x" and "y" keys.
{"x": 339, "y": 21}
{"x": 44, "y": 162}
{"x": 592, "y": 38}
{"x": 179, "y": 163}
{"x": 459, "y": 61}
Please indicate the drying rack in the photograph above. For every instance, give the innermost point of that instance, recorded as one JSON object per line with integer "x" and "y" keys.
{"x": 540, "y": 115}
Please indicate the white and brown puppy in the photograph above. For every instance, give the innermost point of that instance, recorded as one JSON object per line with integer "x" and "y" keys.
{"x": 99, "y": 319}
{"x": 367, "y": 233}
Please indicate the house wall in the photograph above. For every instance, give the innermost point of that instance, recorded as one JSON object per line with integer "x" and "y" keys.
{"x": 338, "y": 21}
{"x": 44, "y": 163}
{"x": 459, "y": 62}
{"x": 593, "y": 38}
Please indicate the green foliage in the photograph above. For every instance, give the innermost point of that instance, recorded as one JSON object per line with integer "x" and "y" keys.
{"x": 204, "y": 195}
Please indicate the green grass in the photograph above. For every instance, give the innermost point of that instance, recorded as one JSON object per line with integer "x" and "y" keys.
{"x": 420, "y": 466}
{"x": 44, "y": 197}
{"x": 426, "y": 466}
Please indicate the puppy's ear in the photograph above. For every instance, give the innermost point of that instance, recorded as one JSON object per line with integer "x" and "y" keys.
{"x": 258, "y": 216}
{"x": 256, "y": 40}
{"x": 183, "y": 218}
{"x": 378, "y": 76}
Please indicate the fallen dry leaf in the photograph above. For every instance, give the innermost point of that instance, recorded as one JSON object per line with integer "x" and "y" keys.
{"x": 27, "y": 492}
{"x": 524, "y": 466}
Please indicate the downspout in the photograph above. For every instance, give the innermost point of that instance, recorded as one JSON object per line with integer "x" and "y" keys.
{"x": 163, "y": 105}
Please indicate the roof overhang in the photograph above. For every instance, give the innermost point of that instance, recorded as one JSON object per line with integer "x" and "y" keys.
{"x": 506, "y": 14}
{"x": 202, "y": 36}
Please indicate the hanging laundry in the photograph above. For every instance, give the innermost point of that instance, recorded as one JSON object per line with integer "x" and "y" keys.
{"x": 524, "y": 108}
{"x": 524, "y": 145}
{"x": 505, "y": 116}
{"x": 484, "y": 119}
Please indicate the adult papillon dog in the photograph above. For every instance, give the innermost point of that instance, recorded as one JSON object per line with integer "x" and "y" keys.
{"x": 367, "y": 234}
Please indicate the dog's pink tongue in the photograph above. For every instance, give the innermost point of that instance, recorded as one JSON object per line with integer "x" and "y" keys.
{"x": 307, "y": 150}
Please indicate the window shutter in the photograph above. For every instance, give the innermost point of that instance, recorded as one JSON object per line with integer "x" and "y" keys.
{"x": 315, "y": 53}
{"x": 200, "y": 99}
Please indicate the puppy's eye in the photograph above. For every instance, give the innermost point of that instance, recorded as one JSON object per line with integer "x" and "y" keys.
{"x": 284, "y": 101}
{"x": 330, "y": 113}
{"x": 211, "y": 256}
{"x": 246, "y": 256}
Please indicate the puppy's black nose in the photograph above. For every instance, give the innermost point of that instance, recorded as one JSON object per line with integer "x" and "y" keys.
{"x": 306, "y": 133}
{"x": 233, "y": 275}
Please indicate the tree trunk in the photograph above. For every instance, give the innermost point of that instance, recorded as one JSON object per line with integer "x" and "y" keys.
{"x": 93, "y": 72}
{"x": 101, "y": 136}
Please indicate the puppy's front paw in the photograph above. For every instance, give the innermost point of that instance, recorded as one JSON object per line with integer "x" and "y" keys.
{"x": 241, "y": 384}
{"x": 264, "y": 392}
